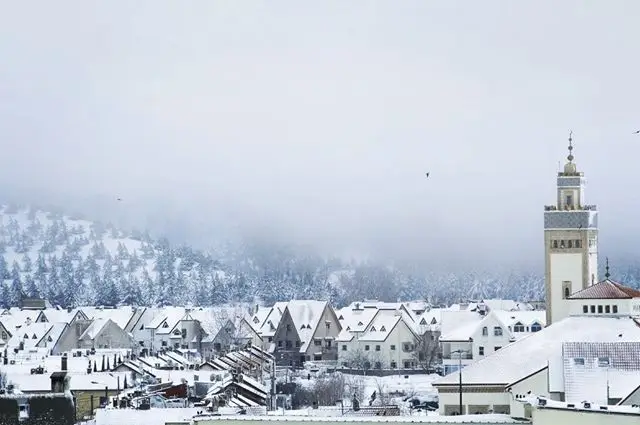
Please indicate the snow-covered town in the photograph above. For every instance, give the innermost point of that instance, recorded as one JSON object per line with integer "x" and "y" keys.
{"x": 572, "y": 359}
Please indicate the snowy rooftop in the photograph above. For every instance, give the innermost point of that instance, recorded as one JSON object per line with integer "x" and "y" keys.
{"x": 469, "y": 419}
{"x": 508, "y": 365}
{"x": 544, "y": 403}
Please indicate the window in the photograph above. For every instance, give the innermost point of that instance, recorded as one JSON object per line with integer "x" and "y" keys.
{"x": 4, "y": 335}
{"x": 497, "y": 348}
{"x": 570, "y": 200}
{"x": 567, "y": 292}
{"x": 289, "y": 327}
{"x": 394, "y": 365}
{"x": 297, "y": 344}
{"x": 518, "y": 327}
{"x": 497, "y": 331}
{"x": 603, "y": 361}
{"x": 607, "y": 309}
{"x": 578, "y": 361}
{"x": 378, "y": 365}
{"x": 327, "y": 343}
{"x": 577, "y": 243}
{"x": 481, "y": 351}
{"x": 142, "y": 327}
{"x": 50, "y": 339}
{"x": 585, "y": 308}
{"x": 164, "y": 343}
{"x": 328, "y": 325}
{"x": 536, "y": 327}
{"x": 344, "y": 348}
{"x": 317, "y": 342}
{"x": 34, "y": 336}
{"x": 289, "y": 344}
{"x": 599, "y": 309}
{"x": 165, "y": 325}
{"x": 615, "y": 309}
{"x": 383, "y": 329}
{"x": 555, "y": 244}
{"x": 141, "y": 343}
{"x": 485, "y": 331}
{"x": 280, "y": 344}
{"x": 373, "y": 329}
{"x": 270, "y": 339}
{"x": 377, "y": 348}
{"x": 407, "y": 347}
{"x": 562, "y": 244}
{"x": 255, "y": 319}
{"x": 570, "y": 243}
{"x": 407, "y": 365}
{"x": 393, "y": 348}
{"x": 592, "y": 309}
{"x": 366, "y": 348}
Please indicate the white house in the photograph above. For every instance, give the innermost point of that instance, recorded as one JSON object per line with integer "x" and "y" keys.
{"x": 522, "y": 367}
{"x": 606, "y": 297}
{"x": 387, "y": 341}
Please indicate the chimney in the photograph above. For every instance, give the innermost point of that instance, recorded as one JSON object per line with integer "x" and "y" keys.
{"x": 59, "y": 382}
{"x": 256, "y": 310}
{"x": 63, "y": 362}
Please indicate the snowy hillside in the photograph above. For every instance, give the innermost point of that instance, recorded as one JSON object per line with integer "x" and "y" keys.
{"x": 73, "y": 262}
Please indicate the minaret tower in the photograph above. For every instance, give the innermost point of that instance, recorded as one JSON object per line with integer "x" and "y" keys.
{"x": 570, "y": 241}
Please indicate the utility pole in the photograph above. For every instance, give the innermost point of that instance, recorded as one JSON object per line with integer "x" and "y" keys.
{"x": 273, "y": 384}
{"x": 460, "y": 380}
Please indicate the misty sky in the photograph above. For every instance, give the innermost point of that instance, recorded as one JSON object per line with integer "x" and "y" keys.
{"x": 316, "y": 121}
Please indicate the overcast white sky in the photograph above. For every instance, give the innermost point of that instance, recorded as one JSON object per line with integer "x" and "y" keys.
{"x": 317, "y": 120}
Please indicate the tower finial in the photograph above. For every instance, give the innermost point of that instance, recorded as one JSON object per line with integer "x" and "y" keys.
{"x": 606, "y": 268}
{"x": 570, "y": 156}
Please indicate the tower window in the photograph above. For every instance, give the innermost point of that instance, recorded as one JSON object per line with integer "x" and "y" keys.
{"x": 577, "y": 243}
{"x": 569, "y": 243}
{"x": 566, "y": 289}
{"x": 562, "y": 243}
{"x": 567, "y": 292}
{"x": 615, "y": 309}
{"x": 569, "y": 200}
{"x": 555, "y": 244}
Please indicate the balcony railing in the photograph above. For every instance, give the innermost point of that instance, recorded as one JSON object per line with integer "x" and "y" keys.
{"x": 571, "y": 208}
{"x": 457, "y": 356}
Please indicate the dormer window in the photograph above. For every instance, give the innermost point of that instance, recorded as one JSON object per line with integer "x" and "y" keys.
{"x": 25, "y": 336}
{"x": 518, "y": 327}
{"x": 423, "y": 321}
{"x": 383, "y": 329}
{"x": 373, "y": 328}
{"x": 165, "y": 325}
{"x": 359, "y": 323}
{"x": 302, "y": 327}
{"x": 50, "y": 339}
{"x": 497, "y": 331}
{"x": 434, "y": 321}
{"x": 34, "y": 336}
{"x": 341, "y": 318}
{"x": 348, "y": 328}
{"x": 255, "y": 319}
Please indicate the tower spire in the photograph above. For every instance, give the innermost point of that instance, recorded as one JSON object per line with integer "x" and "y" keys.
{"x": 606, "y": 268}
{"x": 570, "y": 156}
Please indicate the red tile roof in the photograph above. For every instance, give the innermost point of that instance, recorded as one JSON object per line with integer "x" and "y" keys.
{"x": 607, "y": 289}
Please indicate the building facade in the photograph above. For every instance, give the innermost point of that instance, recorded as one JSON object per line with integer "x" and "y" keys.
{"x": 571, "y": 241}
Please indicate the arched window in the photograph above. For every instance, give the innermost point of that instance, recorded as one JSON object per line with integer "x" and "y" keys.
{"x": 518, "y": 327}
{"x": 485, "y": 331}
{"x": 536, "y": 327}
{"x": 567, "y": 292}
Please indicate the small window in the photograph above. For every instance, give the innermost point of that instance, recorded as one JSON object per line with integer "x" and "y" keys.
{"x": 289, "y": 327}
{"x": 378, "y": 365}
{"x": 270, "y": 339}
{"x": 394, "y": 365}
{"x": 592, "y": 308}
{"x": 373, "y": 329}
{"x": 344, "y": 347}
{"x": 327, "y": 343}
{"x": 280, "y": 343}
{"x": 383, "y": 329}
{"x": 578, "y": 361}
{"x": 328, "y": 325}
{"x": 481, "y": 351}
{"x": 165, "y": 325}
{"x": 603, "y": 361}
{"x": 377, "y": 348}
{"x": 317, "y": 342}
{"x": 255, "y": 319}
{"x": 497, "y": 331}
{"x": 518, "y": 327}
{"x": 607, "y": 309}
{"x": 570, "y": 200}
{"x": 578, "y": 243}
{"x": 562, "y": 244}
{"x": 599, "y": 309}
{"x": 50, "y": 339}
{"x": 297, "y": 344}
{"x": 288, "y": 344}
{"x": 585, "y": 308}
{"x": 485, "y": 331}
{"x": 164, "y": 343}
{"x": 536, "y": 327}
{"x": 392, "y": 348}
{"x": 366, "y": 348}
{"x": 570, "y": 243}
{"x": 567, "y": 292}
{"x": 555, "y": 244}
{"x": 497, "y": 348}
{"x": 615, "y": 309}
{"x": 34, "y": 336}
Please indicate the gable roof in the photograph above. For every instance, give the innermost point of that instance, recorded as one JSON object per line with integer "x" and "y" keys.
{"x": 305, "y": 315}
{"x": 54, "y": 333}
{"x": 532, "y": 353}
{"x": 606, "y": 290}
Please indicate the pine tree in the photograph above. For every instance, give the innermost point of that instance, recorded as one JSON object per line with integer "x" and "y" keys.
{"x": 4, "y": 269}
{"x": 17, "y": 291}
{"x": 30, "y": 286}
{"x": 103, "y": 364}
{"x": 27, "y": 264}
{"x": 4, "y": 295}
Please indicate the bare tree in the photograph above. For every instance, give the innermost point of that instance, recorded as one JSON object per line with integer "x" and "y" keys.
{"x": 427, "y": 351}
{"x": 224, "y": 325}
{"x": 354, "y": 386}
{"x": 363, "y": 360}
{"x": 3, "y": 379}
{"x": 382, "y": 395}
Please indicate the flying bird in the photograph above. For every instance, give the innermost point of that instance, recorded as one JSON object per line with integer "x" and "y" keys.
{"x": 119, "y": 199}
{"x": 426, "y": 174}
{"x": 636, "y": 132}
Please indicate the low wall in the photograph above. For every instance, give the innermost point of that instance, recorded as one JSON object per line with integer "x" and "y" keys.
{"x": 293, "y": 420}
{"x": 146, "y": 417}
